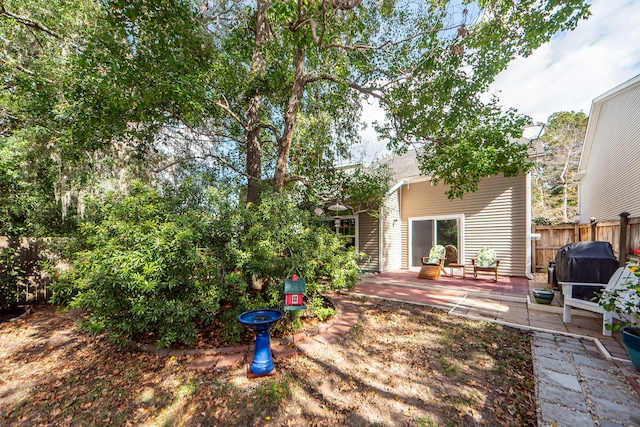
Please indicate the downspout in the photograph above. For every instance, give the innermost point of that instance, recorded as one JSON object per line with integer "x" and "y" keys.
{"x": 394, "y": 188}
{"x": 527, "y": 271}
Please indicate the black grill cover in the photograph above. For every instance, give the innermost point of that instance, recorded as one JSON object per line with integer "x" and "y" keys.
{"x": 587, "y": 262}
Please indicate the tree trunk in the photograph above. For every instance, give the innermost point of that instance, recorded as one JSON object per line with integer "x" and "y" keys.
{"x": 565, "y": 198}
{"x": 284, "y": 145}
{"x": 252, "y": 139}
{"x": 565, "y": 184}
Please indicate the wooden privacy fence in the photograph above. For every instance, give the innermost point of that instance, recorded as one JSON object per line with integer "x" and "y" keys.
{"x": 30, "y": 250}
{"x": 623, "y": 234}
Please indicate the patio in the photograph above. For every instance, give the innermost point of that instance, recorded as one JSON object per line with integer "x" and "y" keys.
{"x": 508, "y": 301}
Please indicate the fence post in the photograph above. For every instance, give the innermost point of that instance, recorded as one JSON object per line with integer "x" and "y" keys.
{"x": 594, "y": 222}
{"x": 623, "y": 246}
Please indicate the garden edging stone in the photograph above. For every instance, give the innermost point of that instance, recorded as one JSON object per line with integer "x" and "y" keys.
{"x": 324, "y": 333}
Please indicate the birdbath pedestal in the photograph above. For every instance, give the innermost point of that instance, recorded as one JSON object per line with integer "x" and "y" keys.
{"x": 261, "y": 321}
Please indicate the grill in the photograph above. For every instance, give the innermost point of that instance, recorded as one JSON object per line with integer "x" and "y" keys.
{"x": 586, "y": 262}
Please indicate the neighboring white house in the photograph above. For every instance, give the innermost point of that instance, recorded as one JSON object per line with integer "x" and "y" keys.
{"x": 418, "y": 215}
{"x": 609, "y": 172}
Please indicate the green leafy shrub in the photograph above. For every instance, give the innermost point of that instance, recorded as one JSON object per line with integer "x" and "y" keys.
{"x": 539, "y": 220}
{"x": 141, "y": 271}
{"x": 162, "y": 264}
{"x": 268, "y": 242}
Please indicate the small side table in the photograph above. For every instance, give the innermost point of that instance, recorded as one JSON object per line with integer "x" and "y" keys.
{"x": 452, "y": 266}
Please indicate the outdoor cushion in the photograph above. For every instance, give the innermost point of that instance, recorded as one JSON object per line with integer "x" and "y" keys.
{"x": 436, "y": 255}
{"x": 486, "y": 261}
{"x": 486, "y": 258}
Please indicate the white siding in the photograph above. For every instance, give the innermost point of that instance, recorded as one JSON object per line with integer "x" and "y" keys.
{"x": 494, "y": 216}
{"x": 612, "y": 172}
{"x": 392, "y": 240}
{"x": 369, "y": 242}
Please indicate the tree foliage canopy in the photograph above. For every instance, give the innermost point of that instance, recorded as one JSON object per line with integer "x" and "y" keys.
{"x": 555, "y": 195}
{"x": 192, "y": 97}
{"x": 267, "y": 91}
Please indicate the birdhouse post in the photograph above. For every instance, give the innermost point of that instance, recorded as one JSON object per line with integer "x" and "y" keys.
{"x": 294, "y": 290}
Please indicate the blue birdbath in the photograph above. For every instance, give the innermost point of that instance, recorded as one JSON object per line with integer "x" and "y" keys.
{"x": 261, "y": 321}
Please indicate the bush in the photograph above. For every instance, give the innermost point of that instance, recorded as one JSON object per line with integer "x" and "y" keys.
{"x": 140, "y": 269}
{"x": 147, "y": 263}
{"x": 540, "y": 220}
{"x": 268, "y": 242}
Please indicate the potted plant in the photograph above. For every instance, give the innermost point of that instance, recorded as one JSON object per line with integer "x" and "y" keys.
{"x": 625, "y": 303}
{"x": 543, "y": 295}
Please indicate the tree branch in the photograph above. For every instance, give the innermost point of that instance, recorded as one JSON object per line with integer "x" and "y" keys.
{"x": 273, "y": 130}
{"x": 226, "y": 107}
{"x": 27, "y": 22}
{"x": 25, "y": 70}
{"x": 310, "y": 78}
{"x": 303, "y": 180}
{"x": 204, "y": 157}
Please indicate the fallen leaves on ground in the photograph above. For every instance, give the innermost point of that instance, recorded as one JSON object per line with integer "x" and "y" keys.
{"x": 401, "y": 365}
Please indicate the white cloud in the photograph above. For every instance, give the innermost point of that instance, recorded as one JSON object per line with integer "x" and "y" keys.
{"x": 575, "y": 67}
{"x": 371, "y": 147}
{"x": 565, "y": 74}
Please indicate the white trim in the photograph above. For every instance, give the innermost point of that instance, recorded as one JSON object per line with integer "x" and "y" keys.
{"x": 592, "y": 125}
{"x": 381, "y": 237}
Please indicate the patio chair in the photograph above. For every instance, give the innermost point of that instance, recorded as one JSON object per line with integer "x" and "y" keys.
{"x": 433, "y": 264}
{"x": 619, "y": 279}
{"x": 452, "y": 261}
{"x": 486, "y": 261}
{"x": 451, "y": 255}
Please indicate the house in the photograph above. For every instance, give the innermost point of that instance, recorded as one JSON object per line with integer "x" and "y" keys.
{"x": 417, "y": 215}
{"x": 607, "y": 184}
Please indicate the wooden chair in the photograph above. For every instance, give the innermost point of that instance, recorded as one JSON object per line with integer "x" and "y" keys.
{"x": 617, "y": 281}
{"x": 452, "y": 261}
{"x": 433, "y": 264}
{"x": 486, "y": 261}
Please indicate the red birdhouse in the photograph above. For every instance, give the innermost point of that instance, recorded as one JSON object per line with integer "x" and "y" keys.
{"x": 294, "y": 290}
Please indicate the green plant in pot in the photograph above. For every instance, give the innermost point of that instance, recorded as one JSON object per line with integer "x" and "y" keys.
{"x": 625, "y": 303}
{"x": 543, "y": 295}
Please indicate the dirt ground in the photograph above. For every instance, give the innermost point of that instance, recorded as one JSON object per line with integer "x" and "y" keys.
{"x": 401, "y": 365}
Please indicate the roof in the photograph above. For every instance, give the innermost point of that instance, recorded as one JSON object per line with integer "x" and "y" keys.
{"x": 594, "y": 118}
{"x": 405, "y": 167}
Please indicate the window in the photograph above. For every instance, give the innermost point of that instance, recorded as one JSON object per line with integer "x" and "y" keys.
{"x": 346, "y": 227}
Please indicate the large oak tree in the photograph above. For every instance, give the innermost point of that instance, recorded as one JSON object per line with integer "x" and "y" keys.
{"x": 270, "y": 90}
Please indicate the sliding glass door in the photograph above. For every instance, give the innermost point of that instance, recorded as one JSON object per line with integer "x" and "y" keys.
{"x": 426, "y": 233}
{"x": 422, "y": 238}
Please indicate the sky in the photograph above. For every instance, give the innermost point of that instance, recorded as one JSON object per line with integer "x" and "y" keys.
{"x": 575, "y": 67}
{"x": 568, "y": 72}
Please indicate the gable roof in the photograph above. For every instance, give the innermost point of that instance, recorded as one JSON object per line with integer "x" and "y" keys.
{"x": 404, "y": 166}
{"x": 594, "y": 118}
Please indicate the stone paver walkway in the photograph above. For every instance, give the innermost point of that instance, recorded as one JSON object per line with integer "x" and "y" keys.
{"x": 577, "y": 386}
